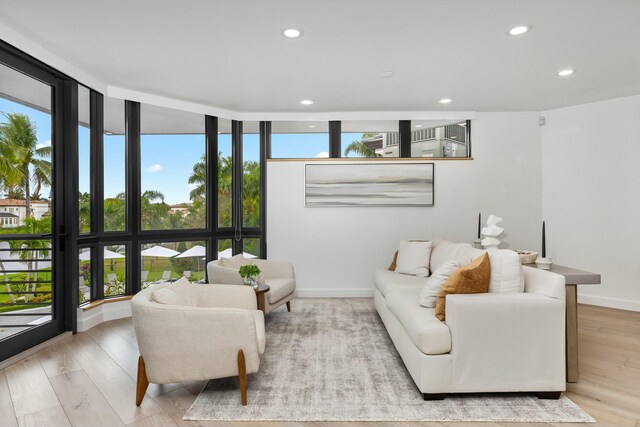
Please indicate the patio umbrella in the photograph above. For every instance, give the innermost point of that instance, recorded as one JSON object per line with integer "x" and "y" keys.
{"x": 86, "y": 256}
{"x": 159, "y": 252}
{"x": 196, "y": 251}
{"x": 227, "y": 253}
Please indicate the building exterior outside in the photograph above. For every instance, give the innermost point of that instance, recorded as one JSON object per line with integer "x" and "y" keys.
{"x": 13, "y": 212}
{"x": 444, "y": 141}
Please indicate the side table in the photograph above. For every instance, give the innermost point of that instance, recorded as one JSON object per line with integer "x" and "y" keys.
{"x": 573, "y": 278}
{"x": 261, "y": 292}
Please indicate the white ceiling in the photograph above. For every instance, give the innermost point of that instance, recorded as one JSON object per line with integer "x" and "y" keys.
{"x": 230, "y": 54}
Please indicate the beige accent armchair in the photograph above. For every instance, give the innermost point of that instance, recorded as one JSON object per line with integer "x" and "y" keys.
{"x": 278, "y": 275}
{"x": 191, "y": 332}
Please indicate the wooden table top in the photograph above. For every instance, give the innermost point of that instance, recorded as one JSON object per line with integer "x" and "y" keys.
{"x": 572, "y": 275}
{"x": 261, "y": 289}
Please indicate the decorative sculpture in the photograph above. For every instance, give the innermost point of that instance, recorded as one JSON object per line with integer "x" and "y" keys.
{"x": 491, "y": 232}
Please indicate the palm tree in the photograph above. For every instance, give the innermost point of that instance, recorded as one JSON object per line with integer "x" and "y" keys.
{"x": 154, "y": 211}
{"x": 84, "y": 211}
{"x": 360, "y": 148}
{"x": 18, "y": 138}
{"x": 114, "y": 210}
{"x": 199, "y": 178}
{"x": 37, "y": 248}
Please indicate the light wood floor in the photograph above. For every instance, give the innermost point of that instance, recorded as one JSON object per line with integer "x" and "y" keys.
{"x": 89, "y": 380}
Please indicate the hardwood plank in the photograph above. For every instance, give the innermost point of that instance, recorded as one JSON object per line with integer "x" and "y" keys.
{"x": 82, "y": 401}
{"x": 58, "y": 359}
{"x": 52, "y": 417}
{"x": 7, "y": 413}
{"x": 30, "y": 389}
{"x": 124, "y": 328}
{"x": 117, "y": 387}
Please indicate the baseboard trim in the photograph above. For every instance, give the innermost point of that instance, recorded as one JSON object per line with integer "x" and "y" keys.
{"x": 622, "y": 304}
{"x": 87, "y": 319}
{"x": 335, "y": 293}
{"x": 33, "y": 350}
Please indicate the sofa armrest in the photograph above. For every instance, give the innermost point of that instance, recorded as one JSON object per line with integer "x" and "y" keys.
{"x": 543, "y": 282}
{"x": 230, "y": 296}
{"x": 223, "y": 275}
{"x": 507, "y": 340}
{"x": 192, "y": 343}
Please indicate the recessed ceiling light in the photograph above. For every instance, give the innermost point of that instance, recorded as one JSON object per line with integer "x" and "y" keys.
{"x": 386, "y": 74}
{"x": 418, "y": 126}
{"x": 519, "y": 30}
{"x": 311, "y": 126}
{"x": 292, "y": 33}
{"x": 306, "y": 102}
{"x": 564, "y": 73}
{"x": 445, "y": 101}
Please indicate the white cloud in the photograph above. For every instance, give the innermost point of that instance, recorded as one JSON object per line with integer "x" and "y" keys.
{"x": 322, "y": 154}
{"x": 193, "y": 186}
{"x": 154, "y": 168}
{"x": 44, "y": 144}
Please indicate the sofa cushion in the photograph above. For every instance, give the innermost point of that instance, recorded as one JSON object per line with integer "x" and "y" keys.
{"x": 235, "y": 261}
{"x": 470, "y": 279}
{"x": 429, "y": 292}
{"x": 386, "y": 280}
{"x": 413, "y": 257}
{"x": 430, "y": 335}
{"x": 506, "y": 272}
{"x": 280, "y": 288}
{"x": 179, "y": 292}
{"x": 444, "y": 250}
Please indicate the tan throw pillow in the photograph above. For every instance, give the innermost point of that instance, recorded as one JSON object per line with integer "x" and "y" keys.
{"x": 470, "y": 279}
{"x": 394, "y": 263}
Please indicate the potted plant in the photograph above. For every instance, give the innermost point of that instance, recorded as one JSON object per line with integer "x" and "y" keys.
{"x": 249, "y": 273}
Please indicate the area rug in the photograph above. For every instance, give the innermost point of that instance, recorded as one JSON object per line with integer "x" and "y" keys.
{"x": 332, "y": 360}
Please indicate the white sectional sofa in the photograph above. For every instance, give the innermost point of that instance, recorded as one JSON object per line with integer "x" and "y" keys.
{"x": 493, "y": 342}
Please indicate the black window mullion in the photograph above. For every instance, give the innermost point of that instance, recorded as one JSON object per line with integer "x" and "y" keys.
{"x": 96, "y": 150}
{"x": 335, "y": 135}
{"x": 237, "y": 184}
{"x": 405, "y": 138}
{"x": 133, "y": 220}
{"x": 65, "y": 227}
{"x": 211, "y": 135}
{"x": 265, "y": 148}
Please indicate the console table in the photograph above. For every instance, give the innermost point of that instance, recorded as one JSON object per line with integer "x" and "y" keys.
{"x": 573, "y": 278}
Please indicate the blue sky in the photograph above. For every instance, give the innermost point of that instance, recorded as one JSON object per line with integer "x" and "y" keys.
{"x": 167, "y": 160}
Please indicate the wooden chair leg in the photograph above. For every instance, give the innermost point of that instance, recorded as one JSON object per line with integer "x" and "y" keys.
{"x": 289, "y": 306}
{"x": 242, "y": 372}
{"x": 142, "y": 383}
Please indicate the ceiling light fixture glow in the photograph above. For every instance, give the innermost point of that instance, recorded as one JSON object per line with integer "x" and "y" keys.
{"x": 446, "y": 101}
{"x": 519, "y": 30}
{"x": 311, "y": 126}
{"x": 306, "y": 102}
{"x": 564, "y": 73}
{"x": 292, "y": 33}
{"x": 387, "y": 74}
{"x": 418, "y": 126}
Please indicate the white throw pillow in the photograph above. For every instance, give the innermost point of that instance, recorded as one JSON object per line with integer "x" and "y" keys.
{"x": 413, "y": 257}
{"x": 506, "y": 272}
{"x": 429, "y": 293}
{"x": 179, "y": 292}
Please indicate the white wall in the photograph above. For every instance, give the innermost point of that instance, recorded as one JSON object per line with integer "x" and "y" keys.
{"x": 591, "y": 196}
{"x": 335, "y": 250}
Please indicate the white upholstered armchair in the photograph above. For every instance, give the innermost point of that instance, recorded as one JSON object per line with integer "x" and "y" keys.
{"x": 278, "y": 275}
{"x": 191, "y": 332}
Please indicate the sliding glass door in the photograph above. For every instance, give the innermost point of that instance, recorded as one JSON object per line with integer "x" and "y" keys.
{"x": 31, "y": 244}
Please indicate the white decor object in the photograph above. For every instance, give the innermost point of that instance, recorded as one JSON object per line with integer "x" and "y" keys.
{"x": 544, "y": 263}
{"x": 491, "y": 232}
{"x": 429, "y": 292}
{"x": 413, "y": 257}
